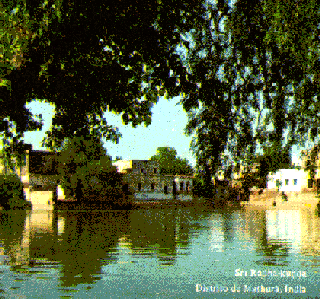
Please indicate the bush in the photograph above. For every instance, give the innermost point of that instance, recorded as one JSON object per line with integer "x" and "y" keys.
{"x": 201, "y": 190}
{"x": 96, "y": 183}
{"x": 11, "y": 193}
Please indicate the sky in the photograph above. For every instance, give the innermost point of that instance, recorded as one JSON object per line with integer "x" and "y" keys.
{"x": 140, "y": 143}
{"x": 166, "y": 129}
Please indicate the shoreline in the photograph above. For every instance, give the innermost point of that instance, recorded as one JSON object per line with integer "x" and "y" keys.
{"x": 296, "y": 200}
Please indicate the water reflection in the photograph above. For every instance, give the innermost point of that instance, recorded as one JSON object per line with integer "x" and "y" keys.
{"x": 160, "y": 233}
{"x": 153, "y": 232}
{"x": 78, "y": 252}
{"x": 89, "y": 241}
{"x": 14, "y": 242}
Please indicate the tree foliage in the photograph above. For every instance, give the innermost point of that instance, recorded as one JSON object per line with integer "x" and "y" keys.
{"x": 87, "y": 173}
{"x": 248, "y": 71}
{"x": 270, "y": 161}
{"x": 11, "y": 193}
{"x": 89, "y": 59}
{"x": 169, "y": 162}
{"x": 255, "y": 85}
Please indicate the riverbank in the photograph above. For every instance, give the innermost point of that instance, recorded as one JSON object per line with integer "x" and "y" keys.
{"x": 76, "y": 206}
{"x": 274, "y": 200}
{"x": 142, "y": 204}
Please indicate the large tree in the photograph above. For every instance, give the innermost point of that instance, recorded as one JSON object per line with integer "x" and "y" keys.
{"x": 249, "y": 71}
{"x": 258, "y": 80}
{"x": 87, "y": 59}
{"x": 169, "y": 162}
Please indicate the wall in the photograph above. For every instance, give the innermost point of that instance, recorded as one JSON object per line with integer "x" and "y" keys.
{"x": 288, "y": 174}
{"x": 47, "y": 182}
{"x": 122, "y": 165}
{"x": 61, "y": 195}
{"x": 41, "y": 200}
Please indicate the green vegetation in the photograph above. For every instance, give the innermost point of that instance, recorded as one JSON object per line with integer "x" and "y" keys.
{"x": 87, "y": 173}
{"x": 202, "y": 189}
{"x": 11, "y": 193}
{"x": 245, "y": 76}
{"x": 171, "y": 164}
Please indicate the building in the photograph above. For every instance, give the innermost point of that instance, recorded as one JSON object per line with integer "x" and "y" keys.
{"x": 38, "y": 173}
{"x": 43, "y": 170}
{"x": 143, "y": 179}
{"x": 289, "y": 180}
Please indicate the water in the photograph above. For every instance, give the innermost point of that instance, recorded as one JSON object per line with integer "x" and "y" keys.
{"x": 160, "y": 253}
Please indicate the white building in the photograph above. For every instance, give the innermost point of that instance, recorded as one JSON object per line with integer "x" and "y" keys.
{"x": 288, "y": 180}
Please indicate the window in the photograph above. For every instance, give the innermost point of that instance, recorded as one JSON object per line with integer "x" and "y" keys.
{"x": 181, "y": 186}
{"x": 152, "y": 186}
{"x": 141, "y": 170}
{"x": 295, "y": 182}
{"x": 286, "y": 182}
{"x": 125, "y": 188}
{"x": 165, "y": 189}
{"x": 187, "y": 187}
{"x": 139, "y": 186}
{"x": 155, "y": 170}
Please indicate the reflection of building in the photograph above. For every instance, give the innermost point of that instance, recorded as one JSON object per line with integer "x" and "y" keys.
{"x": 217, "y": 234}
{"x": 310, "y": 228}
{"x": 143, "y": 179}
{"x": 36, "y": 223}
{"x": 284, "y": 226}
{"x": 297, "y": 228}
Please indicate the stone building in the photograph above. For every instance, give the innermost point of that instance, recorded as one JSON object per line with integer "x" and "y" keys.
{"x": 38, "y": 173}
{"x": 143, "y": 179}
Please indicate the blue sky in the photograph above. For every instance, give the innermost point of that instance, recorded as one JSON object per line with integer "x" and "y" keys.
{"x": 166, "y": 129}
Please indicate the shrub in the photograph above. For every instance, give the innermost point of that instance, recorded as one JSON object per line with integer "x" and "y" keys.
{"x": 96, "y": 183}
{"x": 11, "y": 192}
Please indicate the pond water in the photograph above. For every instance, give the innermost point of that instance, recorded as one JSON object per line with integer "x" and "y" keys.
{"x": 160, "y": 253}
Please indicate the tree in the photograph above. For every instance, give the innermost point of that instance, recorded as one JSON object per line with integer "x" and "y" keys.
{"x": 169, "y": 162}
{"x": 270, "y": 161}
{"x": 311, "y": 163}
{"x": 253, "y": 82}
{"x": 246, "y": 77}
{"x": 87, "y": 173}
{"x": 86, "y": 60}
{"x": 11, "y": 193}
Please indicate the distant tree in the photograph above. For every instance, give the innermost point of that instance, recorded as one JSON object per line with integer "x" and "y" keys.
{"x": 271, "y": 161}
{"x": 170, "y": 163}
{"x": 86, "y": 171}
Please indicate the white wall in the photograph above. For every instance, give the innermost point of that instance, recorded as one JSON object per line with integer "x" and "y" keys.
{"x": 41, "y": 200}
{"x": 179, "y": 179}
{"x": 61, "y": 195}
{"x": 288, "y": 176}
